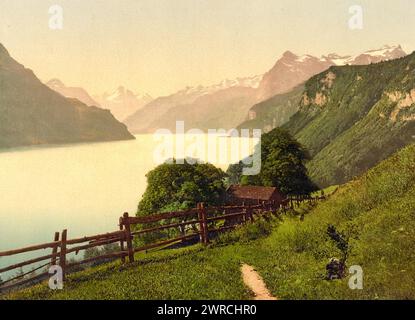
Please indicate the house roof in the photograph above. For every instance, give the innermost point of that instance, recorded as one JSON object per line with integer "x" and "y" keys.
{"x": 252, "y": 192}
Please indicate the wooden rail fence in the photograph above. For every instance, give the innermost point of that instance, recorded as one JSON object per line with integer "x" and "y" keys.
{"x": 197, "y": 224}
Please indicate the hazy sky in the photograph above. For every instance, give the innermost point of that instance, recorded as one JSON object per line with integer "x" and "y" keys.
{"x": 160, "y": 46}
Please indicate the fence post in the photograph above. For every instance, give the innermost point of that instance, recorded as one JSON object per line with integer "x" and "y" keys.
{"x": 200, "y": 217}
{"x": 245, "y": 216}
{"x": 250, "y": 214}
{"x": 62, "y": 257}
{"x": 122, "y": 240}
{"x": 205, "y": 225}
{"x": 55, "y": 249}
{"x": 204, "y": 237}
{"x": 127, "y": 227}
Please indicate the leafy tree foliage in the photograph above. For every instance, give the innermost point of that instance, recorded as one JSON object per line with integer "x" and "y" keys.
{"x": 173, "y": 186}
{"x": 283, "y": 165}
{"x": 234, "y": 173}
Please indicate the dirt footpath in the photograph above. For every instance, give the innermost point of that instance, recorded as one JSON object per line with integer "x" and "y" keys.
{"x": 254, "y": 282}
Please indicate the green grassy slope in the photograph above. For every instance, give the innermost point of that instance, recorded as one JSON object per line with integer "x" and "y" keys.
{"x": 275, "y": 111}
{"x": 354, "y": 116}
{"x": 377, "y": 212}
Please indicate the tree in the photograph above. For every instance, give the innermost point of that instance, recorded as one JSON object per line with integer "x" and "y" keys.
{"x": 234, "y": 173}
{"x": 283, "y": 165}
{"x": 173, "y": 186}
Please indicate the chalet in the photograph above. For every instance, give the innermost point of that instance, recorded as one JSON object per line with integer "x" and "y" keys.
{"x": 236, "y": 195}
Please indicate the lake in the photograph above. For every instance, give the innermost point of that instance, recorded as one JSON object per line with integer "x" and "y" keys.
{"x": 83, "y": 188}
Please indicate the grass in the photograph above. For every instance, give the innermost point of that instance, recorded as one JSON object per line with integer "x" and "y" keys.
{"x": 376, "y": 212}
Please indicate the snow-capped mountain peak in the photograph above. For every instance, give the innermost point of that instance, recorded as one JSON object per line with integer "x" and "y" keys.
{"x": 123, "y": 102}
{"x": 122, "y": 93}
{"x": 247, "y": 82}
{"x": 384, "y": 53}
{"x": 291, "y": 69}
{"x": 336, "y": 59}
{"x": 118, "y": 94}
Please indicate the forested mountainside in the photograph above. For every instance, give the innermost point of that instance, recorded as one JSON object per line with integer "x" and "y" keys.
{"x": 351, "y": 117}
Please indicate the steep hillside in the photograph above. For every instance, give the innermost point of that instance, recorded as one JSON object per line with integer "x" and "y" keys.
{"x": 273, "y": 112}
{"x": 32, "y": 114}
{"x": 351, "y": 117}
{"x": 374, "y": 213}
{"x": 226, "y": 104}
{"x": 292, "y": 70}
{"x": 282, "y": 83}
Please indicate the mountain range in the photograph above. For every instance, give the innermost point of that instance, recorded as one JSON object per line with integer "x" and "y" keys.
{"x": 228, "y": 104}
{"x": 32, "y": 114}
{"x": 290, "y": 72}
{"x": 220, "y": 105}
{"x": 351, "y": 117}
{"x": 72, "y": 92}
{"x": 351, "y": 111}
{"x": 123, "y": 102}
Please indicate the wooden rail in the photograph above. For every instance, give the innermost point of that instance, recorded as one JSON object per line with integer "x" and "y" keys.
{"x": 204, "y": 223}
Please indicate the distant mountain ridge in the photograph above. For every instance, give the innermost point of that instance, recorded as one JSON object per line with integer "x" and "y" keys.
{"x": 123, "y": 102}
{"x": 292, "y": 69}
{"x": 385, "y": 53}
{"x": 32, "y": 114}
{"x": 191, "y": 105}
{"x": 288, "y": 72}
{"x": 72, "y": 92}
{"x": 232, "y": 99}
